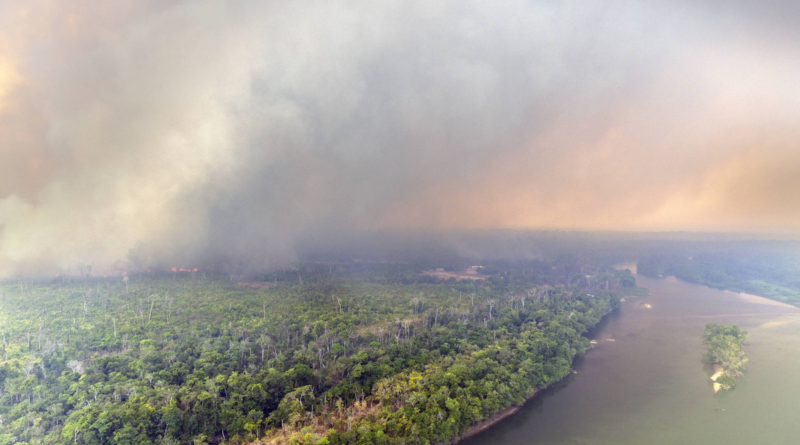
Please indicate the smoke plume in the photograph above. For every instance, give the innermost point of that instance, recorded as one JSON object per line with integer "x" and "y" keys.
{"x": 152, "y": 133}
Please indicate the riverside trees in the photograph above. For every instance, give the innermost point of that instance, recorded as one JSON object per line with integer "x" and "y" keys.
{"x": 329, "y": 361}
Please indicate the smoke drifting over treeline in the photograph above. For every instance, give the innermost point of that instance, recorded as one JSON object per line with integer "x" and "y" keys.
{"x": 163, "y": 133}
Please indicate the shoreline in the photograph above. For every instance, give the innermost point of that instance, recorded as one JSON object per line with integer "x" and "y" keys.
{"x": 499, "y": 416}
{"x": 494, "y": 419}
{"x": 757, "y": 299}
{"x": 742, "y": 295}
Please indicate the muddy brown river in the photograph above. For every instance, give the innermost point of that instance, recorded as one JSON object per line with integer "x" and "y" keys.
{"x": 644, "y": 383}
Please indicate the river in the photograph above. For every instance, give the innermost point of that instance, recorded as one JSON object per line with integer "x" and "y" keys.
{"x": 644, "y": 383}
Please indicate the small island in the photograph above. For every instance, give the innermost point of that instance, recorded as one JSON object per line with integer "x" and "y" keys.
{"x": 725, "y": 353}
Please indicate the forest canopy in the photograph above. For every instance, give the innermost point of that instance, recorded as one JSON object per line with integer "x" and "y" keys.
{"x": 326, "y": 354}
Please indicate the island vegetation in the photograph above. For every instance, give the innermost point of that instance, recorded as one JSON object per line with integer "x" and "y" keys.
{"x": 325, "y": 353}
{"x": 725, "y": 349}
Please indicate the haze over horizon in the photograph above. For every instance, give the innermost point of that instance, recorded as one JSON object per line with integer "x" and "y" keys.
{"x": 184, "y": 131}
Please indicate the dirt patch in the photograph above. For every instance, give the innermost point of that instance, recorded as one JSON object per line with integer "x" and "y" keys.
{"x": 468, "y": 274}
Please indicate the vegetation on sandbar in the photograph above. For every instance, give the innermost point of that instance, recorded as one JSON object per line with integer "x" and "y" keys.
{"x": 725, "y": 348}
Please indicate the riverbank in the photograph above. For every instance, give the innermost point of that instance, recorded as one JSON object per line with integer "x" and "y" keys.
{"x": 496, "y": 418}
{"x": 650, "y": 386}
{"x": 750, "y": 298}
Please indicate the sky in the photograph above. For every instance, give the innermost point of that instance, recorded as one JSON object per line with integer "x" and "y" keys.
{"x": 177, "y": 132}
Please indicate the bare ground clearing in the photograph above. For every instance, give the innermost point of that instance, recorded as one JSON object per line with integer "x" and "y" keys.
{"x": 468, "y": 274}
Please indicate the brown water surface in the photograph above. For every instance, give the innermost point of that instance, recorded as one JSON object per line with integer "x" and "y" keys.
{"x": 645, "y": 383}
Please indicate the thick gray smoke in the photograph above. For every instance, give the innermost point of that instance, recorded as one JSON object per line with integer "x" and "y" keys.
{"x": 137, "y": 134}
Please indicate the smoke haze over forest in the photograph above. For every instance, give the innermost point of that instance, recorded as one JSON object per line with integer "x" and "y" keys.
{"x": 178, "y": 132}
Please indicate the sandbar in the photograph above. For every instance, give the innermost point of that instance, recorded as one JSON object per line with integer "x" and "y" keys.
{"x": 718, "y": 371}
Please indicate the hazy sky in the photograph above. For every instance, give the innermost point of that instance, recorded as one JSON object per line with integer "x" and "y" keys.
{"x": 191, "y": 129}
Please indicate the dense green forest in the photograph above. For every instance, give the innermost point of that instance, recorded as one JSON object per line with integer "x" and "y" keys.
{"x": 725, "y": 348}
{"x": 768, "y": 275}
{"x": 324, "y": 353}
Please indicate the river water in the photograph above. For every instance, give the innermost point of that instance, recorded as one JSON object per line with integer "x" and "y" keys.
{"x": 644, "y": 383}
